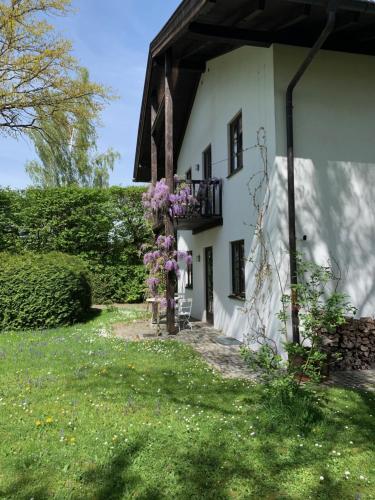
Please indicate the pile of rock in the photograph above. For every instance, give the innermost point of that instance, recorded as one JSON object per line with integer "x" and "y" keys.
{"x": 354, "y": 342}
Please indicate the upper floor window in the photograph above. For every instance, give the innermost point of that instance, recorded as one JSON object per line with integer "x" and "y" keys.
{"x": 238, "y": 268}
{"x": 235, "y": 144}
{"x": 207, "y": 163}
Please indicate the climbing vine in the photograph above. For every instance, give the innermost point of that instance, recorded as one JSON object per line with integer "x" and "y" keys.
{"x": 159, "y": 201}
{"x": 160, "y": 261}
{"x": 262, "y": 257}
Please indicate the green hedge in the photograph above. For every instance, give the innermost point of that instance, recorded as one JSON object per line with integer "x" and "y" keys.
{"x": 42, "y": 291}
{"x": 104, "y": 227}
{"x": 121, "y": 283}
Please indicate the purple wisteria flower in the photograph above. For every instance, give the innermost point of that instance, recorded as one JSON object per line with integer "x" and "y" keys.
{"x": 171, "y": 265}
{"x": 153, "y": 282}
{"x": 171, "y": 302}
{"x": 148, "y": 258}
{"x": 189, "y": 259}
{"x": 165, "y": 242}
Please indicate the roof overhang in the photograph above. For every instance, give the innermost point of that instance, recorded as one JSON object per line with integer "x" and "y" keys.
{"x": 200, "y": 30}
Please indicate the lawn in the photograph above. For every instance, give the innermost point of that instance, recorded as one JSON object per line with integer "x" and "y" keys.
{"x": 87, "y": 416}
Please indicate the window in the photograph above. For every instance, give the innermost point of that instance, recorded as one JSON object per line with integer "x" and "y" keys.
{"x": 238, "y": 268}
{"x": 188, "y": 175}
{"x": 189, "y": 270}
{"x": 235, "y": 144}
{"x": 207, "y": 163}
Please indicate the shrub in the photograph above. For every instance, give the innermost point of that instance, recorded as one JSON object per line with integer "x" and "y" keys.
{"x": 42, "y": 291}
{"x": 106, "y": 228}
{"x": 121, "y": 283}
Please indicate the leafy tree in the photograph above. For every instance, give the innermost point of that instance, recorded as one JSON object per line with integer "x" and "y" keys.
{"x": 67, "y": 149}
{"x": 37, "y": 71}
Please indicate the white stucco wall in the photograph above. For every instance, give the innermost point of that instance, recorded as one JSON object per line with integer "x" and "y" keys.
{"x": 334, "y": 118}
{"x": 240, "y": 80}
{"x": 334, "y": 121}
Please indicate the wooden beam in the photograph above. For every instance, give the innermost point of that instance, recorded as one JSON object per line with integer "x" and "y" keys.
{"x": 159, "y": 116}
{"x": 154, "y": 149}
{"x": 168, "y": 110}
{"x": 246, "y": 13}
{"x": 227, "y": 34}
{"x": 299, "y": 14}
{"x": 346, "y": 20}
{"x": 367, "y": 36}
{"x": 191, "y": 66}
{"x": 169, "y": 176}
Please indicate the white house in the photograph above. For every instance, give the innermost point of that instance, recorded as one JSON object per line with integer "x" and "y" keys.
{"x": 214, "y": 108}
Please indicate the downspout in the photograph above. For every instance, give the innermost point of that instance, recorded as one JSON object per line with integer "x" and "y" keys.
{"x": 329, "y": 27}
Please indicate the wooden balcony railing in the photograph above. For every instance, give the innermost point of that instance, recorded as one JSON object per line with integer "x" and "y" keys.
{"x": 207, "y": 210}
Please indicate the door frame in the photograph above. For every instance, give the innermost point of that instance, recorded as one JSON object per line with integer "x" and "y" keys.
{"x": 209, "y": 315}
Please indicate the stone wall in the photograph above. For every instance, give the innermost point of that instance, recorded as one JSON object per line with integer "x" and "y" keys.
{"x": 355, "y": 342}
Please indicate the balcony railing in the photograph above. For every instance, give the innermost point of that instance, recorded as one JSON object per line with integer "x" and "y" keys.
{"x": 206, "y": 212}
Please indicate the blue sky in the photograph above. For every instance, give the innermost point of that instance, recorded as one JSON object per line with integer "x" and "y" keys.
{"x": 111, "y": 39}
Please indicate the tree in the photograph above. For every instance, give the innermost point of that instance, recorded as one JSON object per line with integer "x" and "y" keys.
{"x": 67, "y": 149}
{"x": 37, "y": 71}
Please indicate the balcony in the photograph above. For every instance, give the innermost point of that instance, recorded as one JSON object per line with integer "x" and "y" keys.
{"x": 206, "y": 212}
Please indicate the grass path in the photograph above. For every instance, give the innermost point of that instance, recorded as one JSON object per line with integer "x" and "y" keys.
{"x": 87, "y": 416}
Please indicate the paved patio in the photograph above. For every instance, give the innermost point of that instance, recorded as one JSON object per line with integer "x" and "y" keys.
{"x": 203, "y": 338}
{"x": 227, "y": 358}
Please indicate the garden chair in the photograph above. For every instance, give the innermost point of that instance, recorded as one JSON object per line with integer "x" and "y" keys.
{"x": 184, "y": 314}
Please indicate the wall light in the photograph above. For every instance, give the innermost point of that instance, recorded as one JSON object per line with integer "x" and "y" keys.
{"x": 198, "y": 258}
{"x": 197, "y": 167}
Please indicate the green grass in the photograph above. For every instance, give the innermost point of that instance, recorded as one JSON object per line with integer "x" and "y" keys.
{"x": 84, "y": 416}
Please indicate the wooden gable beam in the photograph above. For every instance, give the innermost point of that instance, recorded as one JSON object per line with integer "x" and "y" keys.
{"x": 299, "y": 14}
{"x": 346, "y": 20}
{"x": 227, "y": 34}
{"x": 158, "y": 117}
{"x": 246, "y": 13}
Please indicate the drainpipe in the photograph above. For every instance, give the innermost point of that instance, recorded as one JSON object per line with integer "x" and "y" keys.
{"x": 329, "y": 27}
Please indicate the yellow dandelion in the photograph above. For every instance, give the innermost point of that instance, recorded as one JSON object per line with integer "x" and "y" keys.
{"x": 49, "y": 420}
{"x": 72, "y": 440}
{"x": 38, "y": 423}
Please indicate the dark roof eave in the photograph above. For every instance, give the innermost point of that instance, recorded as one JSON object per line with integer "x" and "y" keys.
{"x": 142, "y": 117}
{"x": 356, "y": 5}
{"x": 178, "y": 23}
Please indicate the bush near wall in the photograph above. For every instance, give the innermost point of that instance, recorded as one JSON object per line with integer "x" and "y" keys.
{"x": 120, "y": 283}
{"x": 104, "y": 227}
{"x": 42, "y": 291}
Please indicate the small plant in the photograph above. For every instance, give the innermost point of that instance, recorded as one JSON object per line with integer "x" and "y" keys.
{"x": 322, "y": 308}
{"x": 264, "y": 361}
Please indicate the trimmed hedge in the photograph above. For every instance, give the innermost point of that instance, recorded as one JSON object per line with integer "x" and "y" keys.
{"x": 121, "y": 283}
{"x": 42, "y": 291}
{"x": 104, "y": 227}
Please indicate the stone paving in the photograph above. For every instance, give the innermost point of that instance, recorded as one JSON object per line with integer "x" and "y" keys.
{"x": 227, "y": 359}
{"x": 203, "y": 338}
{"x": 354, "y": 379}
{"x": 224, "y": 358}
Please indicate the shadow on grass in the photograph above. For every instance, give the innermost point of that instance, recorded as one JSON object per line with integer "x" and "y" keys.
{"x": 115, "y": 480}
{"x": 23, "y": 488}
{"x": 91, "y": 314}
